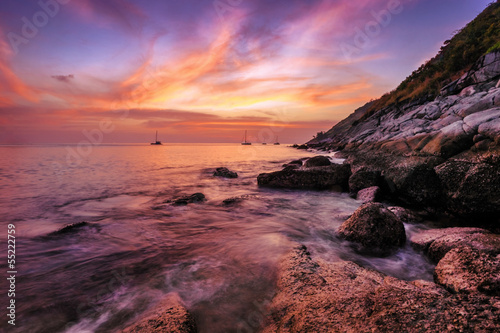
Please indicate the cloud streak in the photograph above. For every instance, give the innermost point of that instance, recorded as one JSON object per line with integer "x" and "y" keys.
{"x": 179, "y": 66}
{"x": 63, "y": 78}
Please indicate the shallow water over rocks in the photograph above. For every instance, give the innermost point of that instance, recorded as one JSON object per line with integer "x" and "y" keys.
{"x": 138, "y": 247}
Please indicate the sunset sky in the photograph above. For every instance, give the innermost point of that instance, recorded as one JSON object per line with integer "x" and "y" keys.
{"x": 205, "y": 70}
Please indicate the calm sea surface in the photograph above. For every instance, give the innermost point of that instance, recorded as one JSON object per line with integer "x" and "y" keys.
{"x": 221, "y": 260}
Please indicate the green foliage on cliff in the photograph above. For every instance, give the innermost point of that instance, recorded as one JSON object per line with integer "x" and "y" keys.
{"x": 456, "y": 56}
{"x": 494, "y": 48}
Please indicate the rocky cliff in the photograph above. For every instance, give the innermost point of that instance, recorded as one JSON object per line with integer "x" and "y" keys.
{"x": 440, "y": 149}
{"x": 464, "y": 117}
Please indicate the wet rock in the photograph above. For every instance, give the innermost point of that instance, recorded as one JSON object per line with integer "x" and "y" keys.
{"x": 464, "y": 269}
{"x": 193, "y": 198}
{"x": 73, "y": 228}
{"x": 416, "y": 185}
{"x": 364, "y": 178}
{"x": 316, "y": 178}
{"x": 405, "y": 215}
{"x": 317, "y": 161}
{"x": 370, "y": 194}
{"x": 471, "y": 188}
{"x": 315, "y": 296}
{"x": 422, "y": 240}
{"x": 485, "y": 242}
{"x": 297, "y": 163}
{"x": 170, "y": 317}
{"x": 225, "y": 173}
{"x": 232, "y": 201}
{"x": 374, "y": 228}
{"x": 291, "y": 166}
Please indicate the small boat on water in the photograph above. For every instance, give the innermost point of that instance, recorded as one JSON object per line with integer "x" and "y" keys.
{"x": 156, "y": 143}
{"x": 276, "y": 142}
{"x": 245, "y": 142}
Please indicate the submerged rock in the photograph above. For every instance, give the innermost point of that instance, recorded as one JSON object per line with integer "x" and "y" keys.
{"x": 375, "y": 228}
{"x": 193, "y": 198}
{"x": 232, "y": 201}
{"x": 464, "y": 269}
{"x": 225, "y": 173}
{"x": 73, "y": 228}
{"x": 317, "y": 161}
{"x": 315, "y": 296}
{"x": 316, "y": 178}
{"x": 170, "y": 317}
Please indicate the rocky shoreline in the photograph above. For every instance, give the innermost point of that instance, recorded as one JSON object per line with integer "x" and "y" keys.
{"x": 435, "y": 160}
{"x": 438, "y": 160}
{"x": 313, "y": 295}
{"x": 316, "y": 296}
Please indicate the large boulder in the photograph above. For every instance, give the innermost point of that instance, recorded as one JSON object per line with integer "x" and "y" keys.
{"x": 317, "y": 161}
{"x": 485, "y": 242}
{"x": 316, "y": 178}
{"x": 374, "y": 228}
{"x": 487, "y": 68}
{"x": 449, "y": 141}
{"x": 364, "y": 178}
{"x": 471, "y": 189}
{"x": 169, "y": 317}
{"x": 464, "y": 269}
{"x": 416, "y": 185}
{"x": 421, "y": 241}
{"x": 316, "y": 296}
{"x": 436, "y": 243}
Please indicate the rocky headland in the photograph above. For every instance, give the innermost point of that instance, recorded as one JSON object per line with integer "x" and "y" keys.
{"x": 428, "y": 152}
{"x": 432, "y": 157}
{"x": 441, "y": 155}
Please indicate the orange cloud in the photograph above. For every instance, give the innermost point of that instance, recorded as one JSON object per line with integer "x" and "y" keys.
{"x": 11, "y": 86}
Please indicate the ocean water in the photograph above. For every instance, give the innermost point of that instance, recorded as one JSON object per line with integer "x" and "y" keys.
{"x": 220, "y": 260}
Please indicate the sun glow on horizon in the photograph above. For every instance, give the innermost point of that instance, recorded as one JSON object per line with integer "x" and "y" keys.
{"x": 188, "y": 66}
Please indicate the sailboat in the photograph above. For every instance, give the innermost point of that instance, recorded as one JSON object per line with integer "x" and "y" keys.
{"x": 276, "y": 142}
{"x": 245, "y": 143}
{"x": 156, "y": 141}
